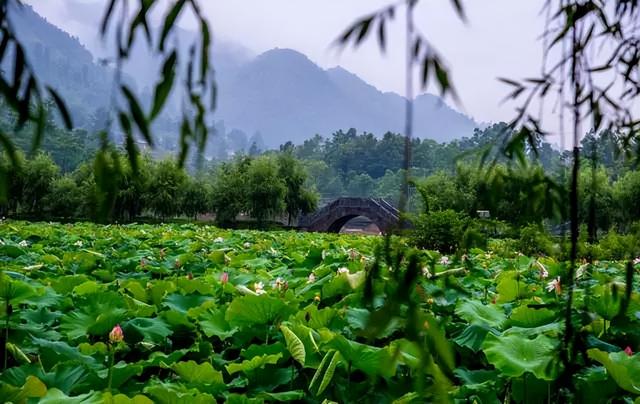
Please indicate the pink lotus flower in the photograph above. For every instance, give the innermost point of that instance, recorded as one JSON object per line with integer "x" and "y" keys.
{"x": 628, "y": 351}
{"x": 444, "y": 260}
{"x": 224, "y": 277}
{"x": 116, "y": 334}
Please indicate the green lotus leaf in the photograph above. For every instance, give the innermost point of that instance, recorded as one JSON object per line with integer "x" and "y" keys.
{"x": 213, "y": 323}
{"x": 183, "y": 303}
{"x": 55, "y": 396}
{"x": 96, "y": 314}
{"x": 136, "y": 290}
{"x": 369, "y": 359}
{"x": 254, "y": 363}
{"x": 11, "y": 251}
{"x": 624, "y": 369}
{"x": 203, "y": 373}
{"x": 295, "y": 395}
{"x": 171, "y": 393}
{"x": 594, "y": 384}
{"x": 146, "y": 329}
{"x": 251, "y": 310}
{"x": 53, "y": 352}
{"x": 88, "y": 288}
{"x": 472, "y": 337}
{"x": 605, "y": 300}
{"x": 122, "y": 372}
{"x": 515, "y": 355}
{"x": 551, "y": 329}
{"x": 317, "y": 318}
{"x": 63, "y": 376}
{"x": 82, "y": 261}
{"x": 122, "y": 399}
{"x": 475, "y": 312}
{"x": 65, "y": 284}
{"x": 32, "y": 388}
{"x": 15, "y": 291}
{"x": 509, "y": 288}
{"x": 242, "y": 399}
{"x": 527, "y": 317}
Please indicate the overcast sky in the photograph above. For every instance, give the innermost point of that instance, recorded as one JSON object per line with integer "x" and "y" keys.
{"x": 499, "y": 40}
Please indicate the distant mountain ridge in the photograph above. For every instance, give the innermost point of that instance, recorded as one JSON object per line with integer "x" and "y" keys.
{"x": 280, "y": 94}
{"x": 285, "y": 96}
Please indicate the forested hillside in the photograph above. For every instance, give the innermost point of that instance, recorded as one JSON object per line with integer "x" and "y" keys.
{"x": 276, "y": 97}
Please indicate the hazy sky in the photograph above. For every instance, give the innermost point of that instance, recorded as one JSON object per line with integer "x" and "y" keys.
{"x": 499, "y": 40}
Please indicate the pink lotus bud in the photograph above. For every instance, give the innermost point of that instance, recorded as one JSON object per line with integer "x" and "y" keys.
{"x": 224, "y": 277}
{"x": 116, "y": 334}
{"x": 628, "y": 351}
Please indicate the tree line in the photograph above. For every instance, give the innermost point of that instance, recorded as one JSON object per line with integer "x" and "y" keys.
{"x": 262, "y": 187}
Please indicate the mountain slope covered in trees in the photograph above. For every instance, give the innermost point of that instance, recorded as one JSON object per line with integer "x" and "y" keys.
{"x": 280, "y": 94}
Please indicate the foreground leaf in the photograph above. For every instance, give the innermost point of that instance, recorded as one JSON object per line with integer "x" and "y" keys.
{"x": 515, "y": 355}
{"x": 624, "y": 369}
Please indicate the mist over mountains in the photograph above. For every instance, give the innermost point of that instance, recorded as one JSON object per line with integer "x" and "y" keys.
{"x": 272, "y": 98}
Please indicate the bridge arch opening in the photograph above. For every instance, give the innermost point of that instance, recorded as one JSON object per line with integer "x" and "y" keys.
{"x": 354, "y": 224}
{"x": 335, "y": 215}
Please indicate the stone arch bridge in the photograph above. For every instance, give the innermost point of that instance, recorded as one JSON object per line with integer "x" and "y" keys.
{"x": 331, "y": 217}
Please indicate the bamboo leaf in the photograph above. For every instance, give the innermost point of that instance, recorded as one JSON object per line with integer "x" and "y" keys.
{"x": 137, "y": 115}
{"x": 107, "y": 17}
{"x": 169, "y": 22}
{"x": 163, "y": 88}
{"x": 62, "y": 108}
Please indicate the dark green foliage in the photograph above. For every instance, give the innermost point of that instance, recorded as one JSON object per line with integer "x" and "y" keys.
{"x": 439, "y": 230}
{"x": 228, "y": 196}
{"x": 266, "y": 190}
{"x": 195, "y": 197}
{"x": 534, "y": 240}
{"x": 166, "y": 188}
{"x": 65, "y": 198}
{"x": 39, "y": 175}
{"x": 297, "y": 198}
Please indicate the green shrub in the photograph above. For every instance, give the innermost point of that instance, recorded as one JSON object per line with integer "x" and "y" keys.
{"x": 503, "y": 247}
{"x": 614, "y": 246}
{"x": 534, "y": 240}
{"x": 439, "y": 230}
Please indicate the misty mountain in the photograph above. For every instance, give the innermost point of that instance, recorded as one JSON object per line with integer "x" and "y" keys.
{"x": 277, "y": 96}
{"x": 285, "y": 96}
{"x": 63, "y": 63}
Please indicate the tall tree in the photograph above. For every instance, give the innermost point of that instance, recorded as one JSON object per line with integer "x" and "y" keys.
{"x": 266, "y": 191}
{"x": 297, "y": 198}
{"x": 165, "y": 188}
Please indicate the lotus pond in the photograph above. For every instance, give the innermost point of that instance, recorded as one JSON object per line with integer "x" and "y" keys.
{"x": 187, "y": 313}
